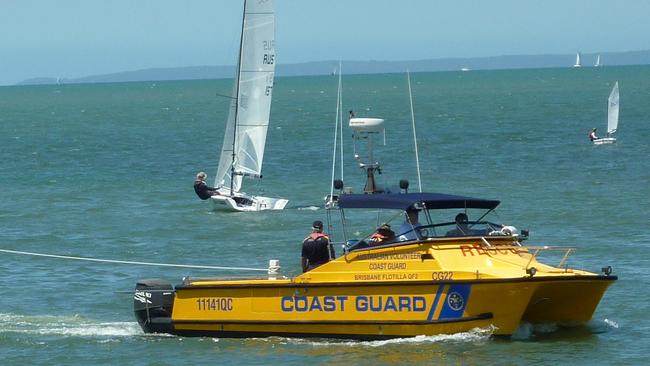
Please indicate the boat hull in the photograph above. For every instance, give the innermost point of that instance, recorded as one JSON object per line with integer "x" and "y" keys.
{"x": 566, "y": 302}
{"x": 604, "y": 141}
{"x": 247, "y": 203}
{"x": 375, "y": 310}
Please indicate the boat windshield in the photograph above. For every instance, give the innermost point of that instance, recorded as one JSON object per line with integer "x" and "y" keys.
{"x": 452, "y": 229}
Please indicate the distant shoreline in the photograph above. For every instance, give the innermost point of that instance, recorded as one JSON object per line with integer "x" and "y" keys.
{"x": 363, "y": 67}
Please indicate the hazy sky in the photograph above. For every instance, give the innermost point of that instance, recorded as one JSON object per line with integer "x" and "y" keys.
{"x": 74, "y": 38}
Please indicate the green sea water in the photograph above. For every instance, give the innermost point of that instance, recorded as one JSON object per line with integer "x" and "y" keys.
{"x": 106, "y": 171}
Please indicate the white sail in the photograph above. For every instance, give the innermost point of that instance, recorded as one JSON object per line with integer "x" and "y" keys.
{"x": 578, "y": 62}
{"x": 248, "y": 119}
{"x": 597, "y": 61}
{"x": 612, "y": 110}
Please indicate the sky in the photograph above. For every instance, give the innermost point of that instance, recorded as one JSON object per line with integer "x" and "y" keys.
{"x": 76, "y": 38}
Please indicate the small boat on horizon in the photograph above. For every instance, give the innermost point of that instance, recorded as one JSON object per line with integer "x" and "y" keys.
{"x": 578, "y": 61}
{"x": 597, "y": 64}
{"x": 244, "y": 140}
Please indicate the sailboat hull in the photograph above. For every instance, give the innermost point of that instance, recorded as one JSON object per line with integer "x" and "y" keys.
{"x": 605, "y": 140}
{"x": 247, "y": 203}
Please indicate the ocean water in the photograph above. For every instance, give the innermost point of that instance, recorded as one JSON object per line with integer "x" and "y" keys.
{"x": 106, "y": 171}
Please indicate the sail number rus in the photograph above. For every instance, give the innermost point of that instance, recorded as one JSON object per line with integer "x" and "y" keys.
{"x": 269, "y": 56}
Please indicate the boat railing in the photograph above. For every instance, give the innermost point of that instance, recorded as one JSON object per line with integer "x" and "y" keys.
{"x": 534, "y": 251}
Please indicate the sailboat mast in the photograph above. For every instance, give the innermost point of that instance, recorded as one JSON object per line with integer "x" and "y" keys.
{"x": 234, "y": 134}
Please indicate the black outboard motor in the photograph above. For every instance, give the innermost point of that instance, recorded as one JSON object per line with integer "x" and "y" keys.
{"x": 152, "y": 304}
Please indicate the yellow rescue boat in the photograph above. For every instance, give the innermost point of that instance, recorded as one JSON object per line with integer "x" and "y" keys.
{"x": 482, "y": 277}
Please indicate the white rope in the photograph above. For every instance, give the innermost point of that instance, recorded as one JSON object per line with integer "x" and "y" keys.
{"x": 130, "y": 262}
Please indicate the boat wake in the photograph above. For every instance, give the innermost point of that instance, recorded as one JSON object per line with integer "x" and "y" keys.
{"x": 70, "y": 326}
{"x": 307, "y": 208}
{"x": 527, "y": 331}
{"x": 610, "y": 323}
{"x": 476, "y": 335}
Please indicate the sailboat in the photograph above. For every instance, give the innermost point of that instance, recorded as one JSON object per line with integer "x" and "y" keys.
{"x": 245, "y": 137}
{"x": 578, "y": 62}
{"x": 612, "y": 118}
{"x": 597, "y": 64}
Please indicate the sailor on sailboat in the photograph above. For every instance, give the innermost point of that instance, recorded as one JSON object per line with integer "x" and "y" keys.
{"x": 245, "y": 137}
{"x": 612, "y": 118}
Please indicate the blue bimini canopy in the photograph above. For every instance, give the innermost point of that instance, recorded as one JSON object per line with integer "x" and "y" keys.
{"x": 404, "y": 201}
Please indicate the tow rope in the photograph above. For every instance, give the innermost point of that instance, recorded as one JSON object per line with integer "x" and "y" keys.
{"x": 131, "y": 262}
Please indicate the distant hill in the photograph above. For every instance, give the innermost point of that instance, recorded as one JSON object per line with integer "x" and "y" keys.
{"x": 363, "y": 67}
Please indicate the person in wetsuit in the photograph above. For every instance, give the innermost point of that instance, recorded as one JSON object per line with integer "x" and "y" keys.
{"x": 592, "y": 134}
{"x": 316, "y": 249}
{"x": 202, "y": 189}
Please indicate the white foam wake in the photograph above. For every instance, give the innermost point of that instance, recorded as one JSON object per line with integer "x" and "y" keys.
{"x": 72, "y": 326}
{"x": 473, "y": 336}
{"x": 308, "y": 208}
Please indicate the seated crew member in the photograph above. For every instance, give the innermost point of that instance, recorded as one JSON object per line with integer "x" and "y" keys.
{"x": 316, "y": 249}
{"x": 408, "y": 228}
{"x": 592, "y": 134}
{"x": 461, "y": 226}
{"x": 202, "y": 189}
{"x": 382, "y": 236}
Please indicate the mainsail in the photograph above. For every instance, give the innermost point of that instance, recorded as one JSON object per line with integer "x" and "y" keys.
{"x": 612, "y": 110}
{"x": 250, "y": 108}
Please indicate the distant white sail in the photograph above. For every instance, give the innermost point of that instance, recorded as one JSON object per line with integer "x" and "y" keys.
{"x": 597, "y": 61}
{"x": 248, "y": 119}
{"x": 578, "y": 62}
{"x": 612, "y": 110}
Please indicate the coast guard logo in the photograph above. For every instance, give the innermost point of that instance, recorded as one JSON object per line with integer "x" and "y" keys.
{"x": 455, "y": 301}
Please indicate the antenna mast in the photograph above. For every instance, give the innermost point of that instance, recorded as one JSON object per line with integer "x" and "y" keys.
{"x": 415, "y": 139}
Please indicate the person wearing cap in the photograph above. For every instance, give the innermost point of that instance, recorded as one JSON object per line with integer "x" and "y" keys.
{"x": 202, "y": 189}
{"x": 408, "y": 228}
{"x": 316, "y": 249}
{"x": 592, "y": 134}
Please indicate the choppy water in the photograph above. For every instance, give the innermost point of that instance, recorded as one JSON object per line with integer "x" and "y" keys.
{"x": 106, "y": 171}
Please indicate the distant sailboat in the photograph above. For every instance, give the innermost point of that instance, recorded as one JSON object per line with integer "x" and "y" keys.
{"x": 248, "y": 120}
{"x": 578, "y": 62}
{"x": 597, "y": 64}
{"x": 612, "y": 118}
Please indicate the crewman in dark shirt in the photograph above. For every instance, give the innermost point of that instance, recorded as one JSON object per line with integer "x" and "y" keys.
{"x": 202, "y": 189}
{"x": 316, "y": 249}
